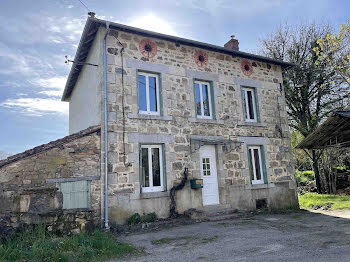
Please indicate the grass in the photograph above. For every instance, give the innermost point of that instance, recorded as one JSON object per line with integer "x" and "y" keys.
{"x": 310, "y": 200}
{"x": 209, "y": 239}
{"x": 140, "y": 219}
{"x": 304, "y": 176}
{"x": 40, "y": 245}
{"x": 184, "y": 241}
{"x": 168, "y": 240}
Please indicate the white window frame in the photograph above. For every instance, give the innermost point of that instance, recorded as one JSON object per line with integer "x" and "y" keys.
{"x": 152, "y": 188}
{"x": 201, "y": 99}
{"x": 246, "y": 106}
{"x": 256, "y": 181}
{"x": 148, "y": 111}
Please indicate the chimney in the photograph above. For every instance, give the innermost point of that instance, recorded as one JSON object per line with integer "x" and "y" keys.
{"x": 91, "y": 14}
{"x": 232, "y": 44}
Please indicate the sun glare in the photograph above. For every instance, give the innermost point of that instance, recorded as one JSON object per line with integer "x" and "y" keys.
{"x": 153, "y": 23}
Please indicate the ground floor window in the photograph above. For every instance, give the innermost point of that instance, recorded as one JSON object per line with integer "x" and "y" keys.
{"x": 152, "y": 168}
{"x": 75, "y": 194}
{"x": 256, "y": 165}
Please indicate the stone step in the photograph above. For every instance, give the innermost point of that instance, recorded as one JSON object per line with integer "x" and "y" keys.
{"x": 219, "y": 212}
{"x": 212, "y": 214}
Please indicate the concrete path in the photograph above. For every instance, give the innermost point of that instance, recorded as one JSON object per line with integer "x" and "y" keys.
{"x": 303, "y": 236}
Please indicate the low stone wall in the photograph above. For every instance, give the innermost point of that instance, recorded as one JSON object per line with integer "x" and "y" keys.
{"x": 29, "y": 184}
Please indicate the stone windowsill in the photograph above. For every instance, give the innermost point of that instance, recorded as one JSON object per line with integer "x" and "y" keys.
{"x": 75, "y": 210}
{"x": 154, "y": 195}
{"x": 71, "y": 179}
{"x": 206, "y": 121}
{"x": 150, "y": 117}
{"x": 261, "y": 186}
{"x": 257, "y": 124}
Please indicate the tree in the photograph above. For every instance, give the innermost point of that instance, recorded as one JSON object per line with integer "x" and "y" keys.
{"x": 301, "y": 159}
{"x": 312, "y": 91}
{"x": 334, "y": 50}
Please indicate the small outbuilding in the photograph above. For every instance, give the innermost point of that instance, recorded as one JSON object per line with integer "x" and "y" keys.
{"x": 332, "y": 140}
{"x": 334, "y": 132}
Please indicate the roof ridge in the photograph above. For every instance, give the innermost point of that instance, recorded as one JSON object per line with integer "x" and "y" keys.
{"x": 92, "y": 25}
{"x": 50, "y": 145}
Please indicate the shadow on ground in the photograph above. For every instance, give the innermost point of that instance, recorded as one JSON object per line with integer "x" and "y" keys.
{"x": 300, "y": 236}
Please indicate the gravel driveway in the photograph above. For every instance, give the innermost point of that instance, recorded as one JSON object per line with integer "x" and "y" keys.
{"x": 303, "y": 236}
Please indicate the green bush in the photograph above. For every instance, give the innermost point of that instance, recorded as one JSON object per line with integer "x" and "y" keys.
{"x": 340, "y": 169}
{"x": 134, "y": 219}
{"x": 138, "y": 219}
{"x": 40, "y": 245}
{"x": 304, "y": 176}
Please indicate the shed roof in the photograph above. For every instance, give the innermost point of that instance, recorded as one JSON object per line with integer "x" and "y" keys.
{"x": 92, "y": 25}
{"x": 50, "y": 145}
{"x": 334, "y": 132}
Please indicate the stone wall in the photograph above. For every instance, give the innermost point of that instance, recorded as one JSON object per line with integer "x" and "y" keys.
{"x": 29, "y": 183}
{"x": 177, "y": 68}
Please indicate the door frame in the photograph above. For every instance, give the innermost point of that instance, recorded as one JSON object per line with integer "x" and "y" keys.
{"x": 211, "y": 149}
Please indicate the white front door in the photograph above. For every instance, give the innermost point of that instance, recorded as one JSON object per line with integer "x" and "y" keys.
{"x": 210, "y": 191}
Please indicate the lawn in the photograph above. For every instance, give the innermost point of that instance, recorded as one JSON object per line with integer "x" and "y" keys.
{"x": 39, "y": 245}
{"x": 310, "y": 200}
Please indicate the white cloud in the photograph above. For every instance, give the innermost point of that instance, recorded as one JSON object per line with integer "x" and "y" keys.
{"x": 153, "y": 23}
{"x": 53, "y": 87}
{"x": 36, "y": 106}
{"x": 236, "y": 8}
{"x": 70, "y": 6}
{"x": 57, "y": 82}
{"x": 67, "y": 29}
{"x": 51, "y": 93}
{"x": 38, "y": 74}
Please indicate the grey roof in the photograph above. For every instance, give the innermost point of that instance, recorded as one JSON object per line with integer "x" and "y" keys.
{"x": 92, "y": 25}
{"x": 334, "y": 132}
{"x": 50, "y": 145}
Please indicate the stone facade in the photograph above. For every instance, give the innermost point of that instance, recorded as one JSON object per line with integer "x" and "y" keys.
{"x": 29, "y": 183}
{"x": 178, "y": 124}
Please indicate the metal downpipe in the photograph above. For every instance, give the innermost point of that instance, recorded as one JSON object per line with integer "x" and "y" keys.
{"x": 105, "y": 127}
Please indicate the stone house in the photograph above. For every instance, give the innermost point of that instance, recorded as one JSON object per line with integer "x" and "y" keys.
{"x": 57, "y": 184}
{"x": 167, "y": 104}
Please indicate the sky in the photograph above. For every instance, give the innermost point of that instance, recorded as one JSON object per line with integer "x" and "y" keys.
{"x": 35, "y": 37}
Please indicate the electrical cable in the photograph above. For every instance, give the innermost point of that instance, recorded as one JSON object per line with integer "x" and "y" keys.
{"x": 84, "y": 5}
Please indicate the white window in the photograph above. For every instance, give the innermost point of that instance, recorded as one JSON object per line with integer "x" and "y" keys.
{"x": 148, "y": 86}
{"x": 255, "y": 165}
{"x": 75, "y": 194}
{"x": 203, "y": 100}
{"x": 152, "y": 168}
{"x": 249, "y": 105}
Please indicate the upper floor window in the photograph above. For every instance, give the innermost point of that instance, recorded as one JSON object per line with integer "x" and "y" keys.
{"x": 203, "y": 100}
{"x": 152, "y": 168}
{"x": 249, "y": 104}
{"x": 255, "y": 165}
{"x": 148, "y": 85}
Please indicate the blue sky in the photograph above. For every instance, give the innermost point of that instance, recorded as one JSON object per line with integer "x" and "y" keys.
{"x": 36, "y": 35}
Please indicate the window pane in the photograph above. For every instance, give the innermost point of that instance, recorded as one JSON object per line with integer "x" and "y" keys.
{"x": 145, "y": 169}
{"x": 198, "y": 100}
{"x": 206, "y": 166}
{"x": 257, "y": 164}
{"x": 155, "y": 167}
{"x": 205, "y": 96}
{"x": 251, "y": 171}
{"x": 142, "y": 92}
{"x": 152, "y": 94}
{"x": 250, "y": 105}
